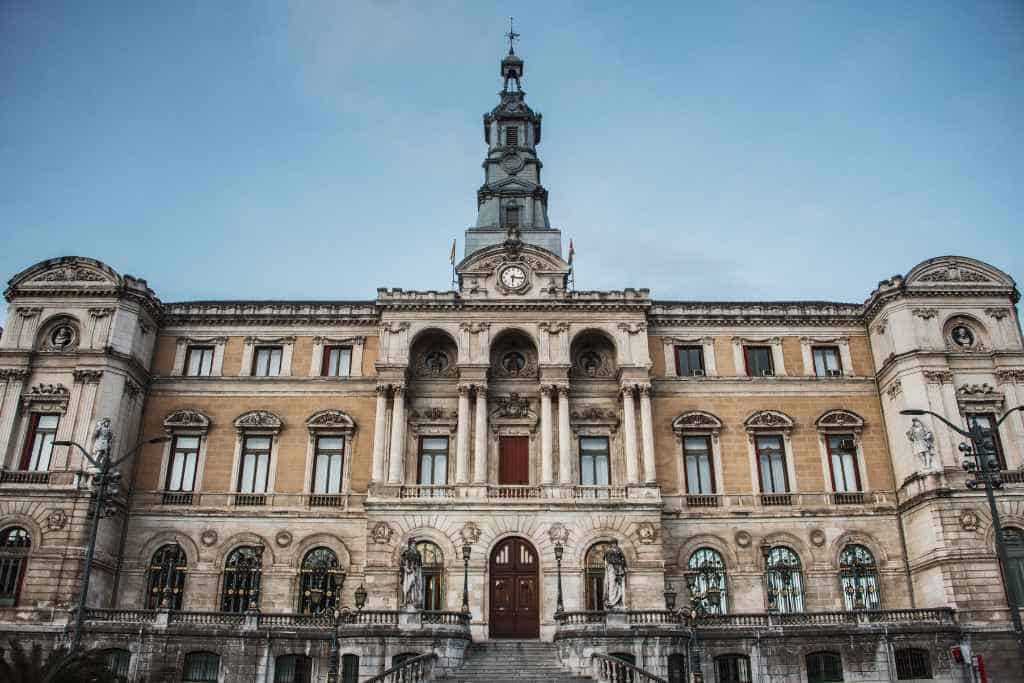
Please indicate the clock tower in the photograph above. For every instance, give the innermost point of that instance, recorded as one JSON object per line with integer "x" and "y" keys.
{"x": 512, "y": 202}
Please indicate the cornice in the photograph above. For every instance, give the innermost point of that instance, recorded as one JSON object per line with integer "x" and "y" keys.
{"x": 271, "y": 313}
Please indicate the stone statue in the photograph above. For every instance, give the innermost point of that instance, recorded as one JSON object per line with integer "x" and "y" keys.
{"x": 62, "y": 337}
{"x": 614, "y": 578}
{"x": 102, "y": 440}
{"x": 922, "y": 441}
{"x": 411, "y": 567}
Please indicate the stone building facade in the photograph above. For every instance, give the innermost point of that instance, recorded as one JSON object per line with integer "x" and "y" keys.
{"x": 755, "y": 447}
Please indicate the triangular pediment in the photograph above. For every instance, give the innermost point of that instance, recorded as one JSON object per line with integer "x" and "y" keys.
{"x": 512, "y": 184}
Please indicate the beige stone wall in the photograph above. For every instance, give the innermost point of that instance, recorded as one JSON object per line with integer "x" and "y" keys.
{"x": 732, "y": 410}
{"x": 293, "y": 444}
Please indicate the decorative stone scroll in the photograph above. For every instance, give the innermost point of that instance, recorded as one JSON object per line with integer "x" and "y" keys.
{"x": 187, "y": 419}
{"x": 840, "y": 420}
{"x": 261, "y": 420}
{"x": 331, "y": 420}
{"x": 769, "y": 421}
{"x": 46, "y": 398}
{"x": 697, "y": 422}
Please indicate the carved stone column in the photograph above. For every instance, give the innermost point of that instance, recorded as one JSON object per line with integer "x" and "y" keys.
{"x": 480, "y": 446}
{"x": 647, "y": 432}
{"x": 379, "y": 433}
{"x": 547, "y": 469}
{"x": 564, "y": 437}
{"x": 396, "y": 469}
{"x": 462, "y": 438}
{"x": 11, "y": 383}
{"x": 629, "y": 435}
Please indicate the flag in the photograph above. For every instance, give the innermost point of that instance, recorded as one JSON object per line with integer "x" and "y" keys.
{"x": 451, "y": 256}
{"x": 572, "y": 252}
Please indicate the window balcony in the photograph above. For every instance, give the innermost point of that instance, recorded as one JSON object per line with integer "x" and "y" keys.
{"x": 823, "y": 502}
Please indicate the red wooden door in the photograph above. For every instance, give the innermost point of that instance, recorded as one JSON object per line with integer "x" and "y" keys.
{"x": 514, "y": 460}
{"x": 515, "y": 600}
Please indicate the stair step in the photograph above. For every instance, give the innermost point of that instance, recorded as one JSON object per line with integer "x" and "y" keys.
{"x": 522, "y": 661}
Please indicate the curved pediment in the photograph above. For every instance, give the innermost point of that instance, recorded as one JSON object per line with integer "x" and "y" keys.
{"x": 535, "y": 272}
{"x": 959, "y": 271}
{"x": 187, "y": 418}
{"x": 259, "y": 420}
{"x": 66, "y": 271}
{"x": 331, "y": 420}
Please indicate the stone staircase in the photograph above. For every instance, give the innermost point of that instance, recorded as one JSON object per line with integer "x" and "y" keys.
{"x": 505, "y": 661}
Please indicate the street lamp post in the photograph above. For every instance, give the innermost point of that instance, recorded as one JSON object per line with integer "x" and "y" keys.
{"x": 332, "y": 664}
{"x": 979, "y": 460}
{"x": 466, "y": 550}
{"x": 106, "y": 482}
{"x": 559, "y": 550}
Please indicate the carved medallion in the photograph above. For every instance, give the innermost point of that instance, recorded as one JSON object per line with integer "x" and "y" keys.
{"x": 742, "y": 539}
{"x": 646, "y": 532}
{"x": 56, "y": 520}
{"x": 283, "y": 539}
{"x": 470, "y": 533}
{"x": 208, "y": 537}
{"x": 969, "y": 520}
{"x": 382, "y": 532}
{"x": 817, "y": 538}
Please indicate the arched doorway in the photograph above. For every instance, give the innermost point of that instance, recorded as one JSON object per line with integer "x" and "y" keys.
{"x": 515, "y": 584}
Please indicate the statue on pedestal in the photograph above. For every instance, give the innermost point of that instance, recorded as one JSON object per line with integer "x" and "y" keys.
{"x": 923, "y": 442}
{"x": 614, "y": 578}
{"x": 411, "y": 571}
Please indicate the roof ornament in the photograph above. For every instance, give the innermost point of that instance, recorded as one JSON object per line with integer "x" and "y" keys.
{"x": 512, "y": 65}
{"x": 512, "y": 36}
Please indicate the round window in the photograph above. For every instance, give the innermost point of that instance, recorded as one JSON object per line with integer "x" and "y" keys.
{"x": 513, "y": 362}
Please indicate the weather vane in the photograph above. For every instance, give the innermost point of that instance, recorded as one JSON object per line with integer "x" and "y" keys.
{"x": 512, "y": 36}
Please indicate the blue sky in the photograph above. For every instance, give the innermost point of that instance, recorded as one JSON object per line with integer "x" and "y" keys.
{"x": 267, "y": 149}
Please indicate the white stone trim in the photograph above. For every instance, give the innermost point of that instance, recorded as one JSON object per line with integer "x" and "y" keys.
{"x": 287, "y": 345}
{"x": 778, "y": 361}
{"x": 807, "y": 345}
{"x": 181, "y": 351}
{"x": 165, "y": 461}
{"x": 706, "y": 343}
{"x": 316, "y": 362}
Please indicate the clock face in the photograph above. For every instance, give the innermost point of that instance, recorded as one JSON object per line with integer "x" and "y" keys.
{"x": 513, "y": 277}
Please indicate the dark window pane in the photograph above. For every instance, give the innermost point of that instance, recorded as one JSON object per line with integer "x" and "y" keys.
{"x": 15, "y": 544}
{"x": 201, "y": 667}
{"x": 771, "y": 462}
{"x": 824, "y": 667}
{"x": 992, "y": 445}
{"x": 842, "y": 451}
{"x": 689, "y": 361}
{"x": 759, "y": 361}
{"x": 699, "y": 470}
{"x": 350, "y": 669}
{"x": 912, "y": 663}
{"x": 165, "y": 578}
{"x": 732, "y": 669}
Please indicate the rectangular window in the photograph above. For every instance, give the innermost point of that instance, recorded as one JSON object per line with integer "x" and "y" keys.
{"x": 987, "y": 421}
{"x": 842, "y": 454}
{"x": 511, "y": 216}
{"x": 732, "y": 669}
{"x": 689, "y": 361}
{"x": 700, "y": 472}
{"x": 266, "y": 361}
{"x": 201, "y": 667}
{"x": 181, "y": 470}
{"x": 328, "y": 463}
{"x": 199, "y": 361}
{"x": 594, "y": 461}
{"x": 759, "y": 361}
{"x": 826, "y": 361}
{"x": 912, "y": 663}
{"x": 337, "y": 361}
{"x": 771, "y": 464}
{"x": 511, "y": 136}
{"x": 42, "y": 430}
{"x": 433, "y": 461}
{"x": 254, "y": 472}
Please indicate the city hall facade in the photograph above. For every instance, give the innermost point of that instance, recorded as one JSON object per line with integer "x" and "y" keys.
{"x": 781, "y": 520}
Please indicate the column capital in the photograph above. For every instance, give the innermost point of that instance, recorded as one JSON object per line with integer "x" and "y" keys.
{"x": 626, "y": 391}
{"x": 398, "y": 389}
{"x": 546, "y": 389}
{"x": 563, "y": 390}
{"x": 481, "y": 390}
{"x": 381, "y": 389}
{"x": 464, "y": 389}
{"x": 644, "y": 389}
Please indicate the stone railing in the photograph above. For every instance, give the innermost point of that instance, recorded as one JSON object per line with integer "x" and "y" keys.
{"x": 61, "y": 479}
{"x": 654, "y": 616}
{"x": 207, "y": 618}
{"x": 121, "y": 616}
{"x": 229, "y": 500}
{"x": 766, "y": 501}
{"x": 426, "y": 492}
{"x": 321, "y": 621}
{"x": 579, "y": 618}
{"x": 938, "y": 615}
{"x": 370, "y": 617}
{"x": 615, "y": 670}
{"x": 412, "y": 670}
{"x": 514, "y": 492}
{"x": 446, "y": 618}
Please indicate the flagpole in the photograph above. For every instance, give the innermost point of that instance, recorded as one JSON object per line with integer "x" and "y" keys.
{"x": 451, "y": 258}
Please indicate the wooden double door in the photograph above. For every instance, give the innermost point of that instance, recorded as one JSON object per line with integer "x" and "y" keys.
{"x": 514, "y": 590}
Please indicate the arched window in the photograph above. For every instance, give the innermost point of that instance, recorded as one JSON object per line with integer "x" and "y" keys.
{"x": 705, "y": 577}
{"x": 858, "y": 578}
{"x": 320, "y": 581}
{"x": 732, "y": 669}
{"x": 1014, "y": 540}
{"x": 784, "y": 581}
{"x": 165, "y": 579}
{"x": 201, "y": 667}
{"x": 14, "y": 546}
{"x": 117, "y": 662}
{"x": 242, "y": 572}
{"x": 824, "y": 667}
{"x": 293, "y": 669}
{"x": 350, "y": 669}
{"x": 433, "y": 575}
{"x": 912, "y": 663}
{"x": 593, "y": 568}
